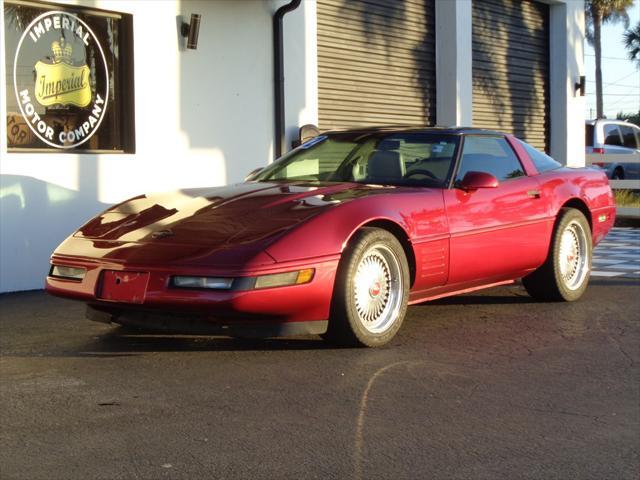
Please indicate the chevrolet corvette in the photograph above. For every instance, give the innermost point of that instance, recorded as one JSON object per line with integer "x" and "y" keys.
{"x": 340, "y": 235}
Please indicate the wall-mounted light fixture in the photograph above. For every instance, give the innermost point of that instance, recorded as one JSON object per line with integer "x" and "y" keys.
{"x": 580, "y": 85}
{"x": 190, "y": 31}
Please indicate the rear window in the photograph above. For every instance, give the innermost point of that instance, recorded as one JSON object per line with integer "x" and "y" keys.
{"x": 542, "y": 161}
{"x": 589, "y": 135}
{"x": 628, "y": 137}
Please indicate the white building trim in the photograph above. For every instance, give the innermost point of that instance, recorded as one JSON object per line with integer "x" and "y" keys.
{"x": 454, "y": 87}
{"x": 300, "y": 68}
{"x": 566, "y": 64}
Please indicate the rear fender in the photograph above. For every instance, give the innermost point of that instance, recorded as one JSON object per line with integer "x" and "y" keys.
{"x": 587, "y": 190}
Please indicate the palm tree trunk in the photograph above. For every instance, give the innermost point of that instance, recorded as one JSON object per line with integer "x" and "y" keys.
{"x": 597, "y": 40}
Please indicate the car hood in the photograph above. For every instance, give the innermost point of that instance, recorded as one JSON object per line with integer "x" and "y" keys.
{"x": 226, "y": 215}
{"x": 224, "y": 225}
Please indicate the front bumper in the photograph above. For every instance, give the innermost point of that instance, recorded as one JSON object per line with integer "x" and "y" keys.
{"x": 308, "y": 302}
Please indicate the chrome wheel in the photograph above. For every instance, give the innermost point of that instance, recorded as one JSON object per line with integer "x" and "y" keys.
{"x": 378, "y": 289}
{"x": 564, "y": 276}
{"x": 573, "y": 256}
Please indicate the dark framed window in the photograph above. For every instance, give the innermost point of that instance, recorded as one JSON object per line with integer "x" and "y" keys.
{"x": 628, "y": 137}
{"x": 491, "y": 155}
{"x": 69, "y": 84}
{"x": 612, "y": 135}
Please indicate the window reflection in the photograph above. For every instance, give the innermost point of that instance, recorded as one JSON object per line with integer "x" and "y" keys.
{"x": 67, "y": 85}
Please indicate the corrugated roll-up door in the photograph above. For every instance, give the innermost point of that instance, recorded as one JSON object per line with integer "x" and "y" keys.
{"x": 376, "y": 63}
{"x": 511, "y": 68}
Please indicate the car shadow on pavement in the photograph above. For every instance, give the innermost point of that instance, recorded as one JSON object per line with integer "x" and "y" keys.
{"x": 122, "y": 341}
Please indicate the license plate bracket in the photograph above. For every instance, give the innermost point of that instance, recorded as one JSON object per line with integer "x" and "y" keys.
{"x": 123, "y": 286}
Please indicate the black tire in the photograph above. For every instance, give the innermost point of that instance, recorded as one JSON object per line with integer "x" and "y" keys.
{"x": 564, "y": 276}
{"x": 369, "y": 314}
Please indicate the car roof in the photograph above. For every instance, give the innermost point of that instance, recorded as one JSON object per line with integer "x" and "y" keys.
{"x": 610, "y": 121}
{"x": 448, "y": 130}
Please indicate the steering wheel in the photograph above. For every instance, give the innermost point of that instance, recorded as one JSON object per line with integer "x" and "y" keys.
{"x": 421, "y": 171}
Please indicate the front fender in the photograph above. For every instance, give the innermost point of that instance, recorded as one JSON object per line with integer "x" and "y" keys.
{"x": 419, "y": 213}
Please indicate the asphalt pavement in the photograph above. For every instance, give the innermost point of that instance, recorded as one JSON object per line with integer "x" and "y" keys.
{"x": 490, "y": 385}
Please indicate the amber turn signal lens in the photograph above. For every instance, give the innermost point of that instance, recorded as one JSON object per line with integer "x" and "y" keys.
{"x": 284, "y": 279}
{"x": 305, "y": 276}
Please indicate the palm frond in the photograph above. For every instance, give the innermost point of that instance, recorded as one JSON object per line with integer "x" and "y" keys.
{"x": 632, "y": 44}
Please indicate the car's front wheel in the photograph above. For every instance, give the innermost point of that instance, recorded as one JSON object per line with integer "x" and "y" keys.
{"x": 371, "y": 291}
{"x": 565, "y": 274}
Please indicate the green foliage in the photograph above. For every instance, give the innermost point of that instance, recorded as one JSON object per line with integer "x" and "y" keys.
{"x": 631, "y": 117}
{"x": 632, "y": 44}
{"x": 597, "y": 13}
{"x": 605, "y": 11}
{"x": 627, "y": 198}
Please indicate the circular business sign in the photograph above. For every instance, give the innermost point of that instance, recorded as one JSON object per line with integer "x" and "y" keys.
{"x": 61, "y": 79}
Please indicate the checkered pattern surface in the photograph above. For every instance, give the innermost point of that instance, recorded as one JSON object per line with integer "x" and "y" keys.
{"x": 618, "y": 255}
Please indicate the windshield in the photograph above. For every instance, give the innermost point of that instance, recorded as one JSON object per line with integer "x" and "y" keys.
{"x": 379, "y": 158}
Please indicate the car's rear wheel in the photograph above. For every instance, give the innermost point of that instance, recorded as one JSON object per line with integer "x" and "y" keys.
{"x": 565, "y": 274}
{"x": 618, "y": 174}
{"x": 371, "y": 291}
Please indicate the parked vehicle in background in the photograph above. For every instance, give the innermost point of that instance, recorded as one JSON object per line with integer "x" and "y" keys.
{"x": 614, "y": 137}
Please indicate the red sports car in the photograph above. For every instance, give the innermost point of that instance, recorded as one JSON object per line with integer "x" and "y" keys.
{"x": 338, "y": 236}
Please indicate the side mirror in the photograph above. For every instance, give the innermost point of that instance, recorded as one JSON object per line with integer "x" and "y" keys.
{"x": 305, "y": 132}
{"x": 475, "y": 180}
{"x": 253, "y": 174}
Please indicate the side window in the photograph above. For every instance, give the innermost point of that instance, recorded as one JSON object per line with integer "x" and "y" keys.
{"x": 542, "y": 161}
{"x": 491, "y": 155}
{"x": 612, "y": 135}
{"x": 430, "y": 157}
{"x": 415, "y": 159}
{"x": 628, "y": 137}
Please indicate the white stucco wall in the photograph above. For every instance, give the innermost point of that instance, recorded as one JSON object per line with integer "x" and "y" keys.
{"x": 203, "y": 117}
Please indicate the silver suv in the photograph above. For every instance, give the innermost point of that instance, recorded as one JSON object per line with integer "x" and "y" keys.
{"x": 614, "y": 137}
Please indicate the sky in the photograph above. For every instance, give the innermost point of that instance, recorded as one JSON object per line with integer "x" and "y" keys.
{"x": 620, "y": 77}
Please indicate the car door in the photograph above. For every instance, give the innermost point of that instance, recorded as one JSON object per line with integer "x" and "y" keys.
{"x": 499, "y": 232}
{"x": 630, "y": 143}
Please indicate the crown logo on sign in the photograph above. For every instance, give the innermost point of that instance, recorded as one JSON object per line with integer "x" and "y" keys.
{"x": 61, "y": 51}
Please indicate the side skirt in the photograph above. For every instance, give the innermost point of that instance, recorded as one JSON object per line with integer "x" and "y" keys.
{"x": 458, "y": 292}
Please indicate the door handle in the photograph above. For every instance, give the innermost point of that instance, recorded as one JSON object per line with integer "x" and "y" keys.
{"x": 534, "y": 193}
